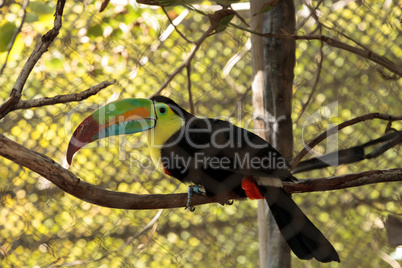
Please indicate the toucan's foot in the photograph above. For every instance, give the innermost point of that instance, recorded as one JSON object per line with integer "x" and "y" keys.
{"x": 193, "y": 189}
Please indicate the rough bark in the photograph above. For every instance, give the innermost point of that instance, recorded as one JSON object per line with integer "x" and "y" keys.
{"x": 71, "y": 184}
{"x": 279, "y": 58}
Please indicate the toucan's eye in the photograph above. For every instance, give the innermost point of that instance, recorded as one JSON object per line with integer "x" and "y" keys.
{"x": 162, "y": 110}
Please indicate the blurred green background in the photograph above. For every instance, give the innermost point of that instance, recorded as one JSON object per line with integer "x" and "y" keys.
{"x": 41, "y": 226}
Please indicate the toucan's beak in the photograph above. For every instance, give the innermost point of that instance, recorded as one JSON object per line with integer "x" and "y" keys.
{"x": 126, "y": 116}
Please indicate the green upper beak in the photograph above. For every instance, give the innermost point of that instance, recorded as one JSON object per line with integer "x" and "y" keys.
{"x": 126, "y": 116}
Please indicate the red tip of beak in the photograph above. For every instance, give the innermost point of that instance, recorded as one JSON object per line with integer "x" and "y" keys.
{"x": 82, "y": 136}
{"x": 73, "y": 146}
{"x": 72, "y": 149}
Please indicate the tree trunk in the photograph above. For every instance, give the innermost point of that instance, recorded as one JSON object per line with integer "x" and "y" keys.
{"x": 279, "y": 58}
{"x": 260, "y": 128}
{"x": 273, "y": 62}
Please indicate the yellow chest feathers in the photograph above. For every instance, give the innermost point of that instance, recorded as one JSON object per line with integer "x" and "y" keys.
{"x": 165, "y": 127}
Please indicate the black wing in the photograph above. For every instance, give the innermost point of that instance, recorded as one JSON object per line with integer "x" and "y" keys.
{"x": 218, "y": 155}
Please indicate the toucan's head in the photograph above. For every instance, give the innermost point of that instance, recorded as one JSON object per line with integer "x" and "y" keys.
{"x": 127, "y": 116}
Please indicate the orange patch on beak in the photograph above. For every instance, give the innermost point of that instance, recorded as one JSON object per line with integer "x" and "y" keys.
{"x": 135, "y": 114}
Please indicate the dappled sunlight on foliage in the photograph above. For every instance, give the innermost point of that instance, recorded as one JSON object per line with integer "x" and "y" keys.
{"x": 40, "y": 225}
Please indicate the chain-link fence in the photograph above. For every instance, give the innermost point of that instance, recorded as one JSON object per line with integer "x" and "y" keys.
{"x": 137, "y": 46}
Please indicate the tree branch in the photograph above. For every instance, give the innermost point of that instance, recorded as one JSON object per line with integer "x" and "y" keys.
{"x": 185, "y": 62}
{"x": 365, "y": 53}
{"x": 368, "y": 54}
{"x": 344, "y": 181}
{"x": 336, "y": 128}
{"x": 317, "y": 79}
{"x": 36, "y": 54}
{"x": 313, "y": 14}
{"x": 190, "y": 94}
{"x": 72, "y": 185}
{"x": 175, "y": 27}
{"x": 27, "y": 104}
{"x": 150, "y": 2}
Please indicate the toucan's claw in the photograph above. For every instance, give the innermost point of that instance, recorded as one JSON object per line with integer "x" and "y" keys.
{"x": 229, "y": 202}
{"x": 190, "y": 208}
{"x": 193, "y": 189}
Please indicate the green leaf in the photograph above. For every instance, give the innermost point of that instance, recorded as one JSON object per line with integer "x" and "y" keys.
{"x": 6, "y": 33}
{"x": 95, "y": 31}
{"x": 41, "y": 8}
{"x": 54, "y": 63}
{"x": 268, "y": 6}
{"x": 224, "y": 22}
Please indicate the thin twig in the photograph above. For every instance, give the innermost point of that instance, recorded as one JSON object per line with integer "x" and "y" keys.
{"x": 368, "y": 54}
{"x": 180, "y": 68}
{"x": 241, "y": 18}
{"x": 317, "y": 78}
{"x": 185, "y": 62}
{"x": 346, "y": 36}
{"x": 36, "y": 54}
{"x": 27, "y": 104}
{"x": 190, "y": 94}
{"x": 214, "y": 24}
{"x": 14, "y": 37}
{"x": 369, "y": 203}
{"x": 152, "y": 224}
{"x": 312, "y": 14}
{"x": 177, "y": 30}
{"x": 336, "y": 129}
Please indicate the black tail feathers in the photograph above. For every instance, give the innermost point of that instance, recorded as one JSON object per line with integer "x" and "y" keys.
{"x": 305, "y": 240}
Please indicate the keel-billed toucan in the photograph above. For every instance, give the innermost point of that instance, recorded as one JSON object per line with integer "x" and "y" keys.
{"x": 211, "y": 153}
